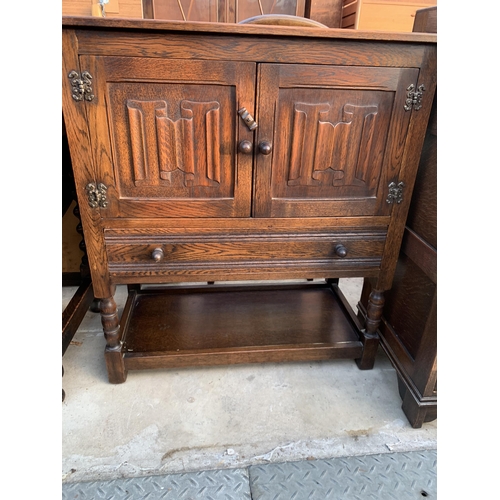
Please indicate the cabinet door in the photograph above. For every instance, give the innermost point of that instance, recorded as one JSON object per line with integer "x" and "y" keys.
{"x": 165, "y": 135}
{"x": 335, "y": 139}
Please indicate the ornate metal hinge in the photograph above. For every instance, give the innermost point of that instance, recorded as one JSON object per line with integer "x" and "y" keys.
{"x": 395, "y": 193}
{"x": 247, "y": 118}
{"x": 97, "y": 195}
{"x": 81, "y": 86}
{"x": 414, "y": 97}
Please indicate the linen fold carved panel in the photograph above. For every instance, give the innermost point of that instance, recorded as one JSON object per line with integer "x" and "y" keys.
{"x": 179, "y": 153}
{"x": 326, "y": 153}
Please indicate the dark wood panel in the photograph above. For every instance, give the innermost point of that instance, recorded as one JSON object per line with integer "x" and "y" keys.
{"x": 421, "y": 253}
{"x": 411, "y": 294}
{"x": 237, "y": 326}
{"x": 422, "y": 217}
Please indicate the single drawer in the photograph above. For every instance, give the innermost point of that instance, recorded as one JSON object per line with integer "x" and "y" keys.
{"x": 163, "y": 253}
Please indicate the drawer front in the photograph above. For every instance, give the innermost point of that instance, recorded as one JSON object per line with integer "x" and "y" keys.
{"x": 164, "y": 254}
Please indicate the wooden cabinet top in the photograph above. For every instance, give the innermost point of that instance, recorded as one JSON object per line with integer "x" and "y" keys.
{"x": 242, "y": 29}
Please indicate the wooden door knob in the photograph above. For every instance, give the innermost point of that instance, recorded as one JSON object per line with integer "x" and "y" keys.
{"x": 265, "y": 147}
{"x": 157, "y": 254}
{"x": 341, "y": 250}
{"x": 245, "y": 147}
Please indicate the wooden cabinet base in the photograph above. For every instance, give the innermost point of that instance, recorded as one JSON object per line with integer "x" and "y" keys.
{"x": 417, "y": 374}
{"x": 171, "y": 327}
{"x": 417, "y": 408}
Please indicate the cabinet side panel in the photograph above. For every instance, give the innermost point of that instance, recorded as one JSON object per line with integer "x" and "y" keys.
{"x": 82, "y": 162}
{"x": 409, "y": 165}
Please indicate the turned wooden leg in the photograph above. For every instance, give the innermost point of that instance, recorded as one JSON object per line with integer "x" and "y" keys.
{"x": 95, "y": 306}
{"x": 372, "y": 321}
{"x": 113, "y": 352}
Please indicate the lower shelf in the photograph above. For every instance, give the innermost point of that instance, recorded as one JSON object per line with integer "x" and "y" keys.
{"x": 211, "y": 325}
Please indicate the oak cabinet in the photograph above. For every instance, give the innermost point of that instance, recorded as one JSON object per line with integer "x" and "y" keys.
{"x": 206, "y": 153}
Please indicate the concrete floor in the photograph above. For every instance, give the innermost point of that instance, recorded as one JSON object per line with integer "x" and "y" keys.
{"x": 184, "y": 420}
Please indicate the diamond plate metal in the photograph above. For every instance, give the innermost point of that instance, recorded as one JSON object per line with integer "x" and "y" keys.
{"x": 391, "y": 476}
{"x": 207, "y": 485}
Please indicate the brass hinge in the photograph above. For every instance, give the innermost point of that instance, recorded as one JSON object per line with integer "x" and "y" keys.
{"x": 81, "y": 86}
{"x": 97, "y": 195}
{"x": 414, "y": 97}
{"x": 395, "y": 193}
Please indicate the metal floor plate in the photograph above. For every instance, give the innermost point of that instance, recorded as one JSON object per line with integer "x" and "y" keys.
{"x": 208, "y": 485}
{"x": 387, "y": 476}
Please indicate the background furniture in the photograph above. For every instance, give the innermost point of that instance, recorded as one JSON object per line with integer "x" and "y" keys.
{"x": 191, "y": 166}
{"x": 327, "y": 12}
{"x": 408, "y": 330}
{"x": 114, "y": 8}
{"x": 83, "y": 298}
{"x": 383, "y": 15}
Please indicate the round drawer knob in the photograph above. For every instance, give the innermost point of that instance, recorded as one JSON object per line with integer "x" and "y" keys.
{"x": 157, "y": 254}
{"x": 245, "y": 147}
{"x": 341, "y": 250}
{"x": 265, "y": 148}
